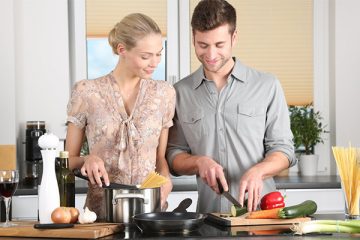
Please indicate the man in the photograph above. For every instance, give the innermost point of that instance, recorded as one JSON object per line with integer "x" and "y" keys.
{"x": 231, "y": 121}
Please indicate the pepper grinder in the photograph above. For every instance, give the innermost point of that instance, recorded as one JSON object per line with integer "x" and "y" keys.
{"x": 49, "y": 197}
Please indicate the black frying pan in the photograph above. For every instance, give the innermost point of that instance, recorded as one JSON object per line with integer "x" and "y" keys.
{"x": 176, "y": 221}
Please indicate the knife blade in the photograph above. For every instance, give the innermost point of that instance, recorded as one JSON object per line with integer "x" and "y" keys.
{"x": 227, "y": 194}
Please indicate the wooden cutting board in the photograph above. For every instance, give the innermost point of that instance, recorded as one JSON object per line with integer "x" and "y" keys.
{"x": 225, "y": 219}
{"x": 94, "y": 230}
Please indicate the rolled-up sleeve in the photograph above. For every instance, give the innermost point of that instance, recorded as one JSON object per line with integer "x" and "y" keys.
{"x": 176, "y": 143}
{"x": 278, "y": 135}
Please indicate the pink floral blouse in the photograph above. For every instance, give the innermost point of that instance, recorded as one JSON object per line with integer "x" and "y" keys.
{"x": 127, "y": 144}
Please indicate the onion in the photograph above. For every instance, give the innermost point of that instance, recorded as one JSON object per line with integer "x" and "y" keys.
{"x": 61, "y": 215}
{"x": 74, "y": 212}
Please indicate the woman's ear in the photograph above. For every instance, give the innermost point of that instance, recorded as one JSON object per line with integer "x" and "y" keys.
{"x": 120, "y": 49}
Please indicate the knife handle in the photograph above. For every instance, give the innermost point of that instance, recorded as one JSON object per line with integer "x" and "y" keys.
{"x": 221, "y": 189}
{"x": 53, "y": 225}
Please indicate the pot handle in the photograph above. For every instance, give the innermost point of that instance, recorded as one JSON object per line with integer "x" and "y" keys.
{"x": 129, "y": 195}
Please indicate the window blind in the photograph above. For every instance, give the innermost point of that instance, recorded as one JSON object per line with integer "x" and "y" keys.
{"x": 102, "y": 15}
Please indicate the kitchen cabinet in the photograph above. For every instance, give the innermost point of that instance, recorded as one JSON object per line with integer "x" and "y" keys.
{"x": 25, "y": 207}
{"x": 328, "y": 200}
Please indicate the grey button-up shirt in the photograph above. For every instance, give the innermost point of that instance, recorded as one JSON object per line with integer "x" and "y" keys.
{"x": 237, "y": 126}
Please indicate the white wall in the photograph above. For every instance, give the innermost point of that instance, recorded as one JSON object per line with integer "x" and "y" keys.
{"x": 35, "y": 84}
{"x": 7, "y": 74}
{"x": 347, "y": 72}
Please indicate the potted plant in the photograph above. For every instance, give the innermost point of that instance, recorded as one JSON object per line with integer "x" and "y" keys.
{"x": 307, "y": 128}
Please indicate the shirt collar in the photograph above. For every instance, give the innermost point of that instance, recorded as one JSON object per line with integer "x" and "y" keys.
{"x": 238, "y": 72}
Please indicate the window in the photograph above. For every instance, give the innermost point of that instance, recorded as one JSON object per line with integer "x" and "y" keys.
{"x": 101, "y": 60}
{"x": 101, "y": 16}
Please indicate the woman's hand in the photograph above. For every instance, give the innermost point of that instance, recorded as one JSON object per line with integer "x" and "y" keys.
{"x": 165, "y": 191}
{"x": 94, "y": 169}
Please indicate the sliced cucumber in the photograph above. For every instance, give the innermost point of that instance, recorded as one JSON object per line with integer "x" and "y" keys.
{"x": 238, "y": 211}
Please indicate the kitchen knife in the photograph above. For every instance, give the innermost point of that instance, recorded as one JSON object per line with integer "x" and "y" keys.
{"x": 53, "y": 225}
{"x": 227, "y": 194}
{"x": 78, "y": 174}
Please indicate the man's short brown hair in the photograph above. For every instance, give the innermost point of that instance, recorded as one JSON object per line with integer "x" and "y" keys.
{"x": 210, "y": 14}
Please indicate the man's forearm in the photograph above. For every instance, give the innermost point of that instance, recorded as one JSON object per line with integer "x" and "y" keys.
{"x": 185, "y": 164}
{"x": 273, "y": 164}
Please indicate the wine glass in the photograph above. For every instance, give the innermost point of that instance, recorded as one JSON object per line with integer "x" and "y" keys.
{"x": 9, "y": 180}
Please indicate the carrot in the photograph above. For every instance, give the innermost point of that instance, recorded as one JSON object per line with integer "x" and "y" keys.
{"x": 265, "y": 214}
{"x": 266, "y": 232}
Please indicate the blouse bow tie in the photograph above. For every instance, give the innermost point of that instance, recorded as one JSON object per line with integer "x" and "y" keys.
{"x": 127, "y": 131}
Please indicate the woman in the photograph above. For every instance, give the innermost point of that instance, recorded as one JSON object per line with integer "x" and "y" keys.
{"x": 124, "y": 115}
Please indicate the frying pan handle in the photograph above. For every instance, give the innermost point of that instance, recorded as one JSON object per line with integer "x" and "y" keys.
{"x": 129, "y": 195}
{"x": 78, "y": 174}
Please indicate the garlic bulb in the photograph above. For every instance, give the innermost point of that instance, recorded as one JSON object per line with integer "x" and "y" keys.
{"x": 87, "y": 216}
{"x": 48, "y": 141}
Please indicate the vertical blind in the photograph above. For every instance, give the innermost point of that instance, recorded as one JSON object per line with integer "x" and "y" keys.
{"x": 276, "y": 36}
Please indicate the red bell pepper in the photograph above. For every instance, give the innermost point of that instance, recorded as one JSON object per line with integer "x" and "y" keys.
{"x": 272, "y": 200}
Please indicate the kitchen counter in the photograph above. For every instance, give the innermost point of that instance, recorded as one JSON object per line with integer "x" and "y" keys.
{"x": 212, "y": 231}
{"x": 188, "y": 183}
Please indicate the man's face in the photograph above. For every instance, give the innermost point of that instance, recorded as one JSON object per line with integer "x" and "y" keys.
{"x": 214, "y": 48}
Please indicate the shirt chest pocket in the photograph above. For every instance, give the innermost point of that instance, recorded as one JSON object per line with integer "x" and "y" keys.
{"x": 251, "y": 121}
{"x": 193, "y": 126}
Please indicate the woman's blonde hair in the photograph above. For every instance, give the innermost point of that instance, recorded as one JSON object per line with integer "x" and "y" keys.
{"x": 131, "y": 29}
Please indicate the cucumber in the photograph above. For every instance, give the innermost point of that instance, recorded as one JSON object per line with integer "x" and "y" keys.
{"x": 303, "y": 209}
{"x": 238, "y": 211}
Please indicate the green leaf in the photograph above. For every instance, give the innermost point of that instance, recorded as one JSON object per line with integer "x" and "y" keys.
{"x": 306, "y": 127}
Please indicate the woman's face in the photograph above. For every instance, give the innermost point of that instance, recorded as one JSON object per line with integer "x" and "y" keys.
{"x": 142, "y": 60}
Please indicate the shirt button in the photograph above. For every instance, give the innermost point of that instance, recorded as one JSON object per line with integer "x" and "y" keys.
{"x": 220, "y": 129}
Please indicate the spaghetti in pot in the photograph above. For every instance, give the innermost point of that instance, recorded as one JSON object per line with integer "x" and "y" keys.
{"x": 153, "y": 180}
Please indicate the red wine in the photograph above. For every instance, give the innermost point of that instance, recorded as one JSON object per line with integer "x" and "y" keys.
{"x": 7, "y": 189}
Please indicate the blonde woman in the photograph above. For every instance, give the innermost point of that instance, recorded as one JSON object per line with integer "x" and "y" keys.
{"x": 125, "y": 115}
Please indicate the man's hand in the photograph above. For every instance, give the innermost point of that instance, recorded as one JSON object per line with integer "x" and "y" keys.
{"x": 252, "y": 183}
{"x": 94, "y": 168}
{"x": 209, "y": 171}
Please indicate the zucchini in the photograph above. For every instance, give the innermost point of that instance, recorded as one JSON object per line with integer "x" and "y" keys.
{"x": 303, "y": 209}
{"x": 238, "y": 211}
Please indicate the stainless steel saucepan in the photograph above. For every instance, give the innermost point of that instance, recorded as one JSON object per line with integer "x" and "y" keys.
{"x": 124, "y": 201}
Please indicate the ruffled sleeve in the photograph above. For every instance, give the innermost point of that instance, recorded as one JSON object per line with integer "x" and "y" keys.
{"x": 169, "y": 106}
{"x": 77, "y": 106}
